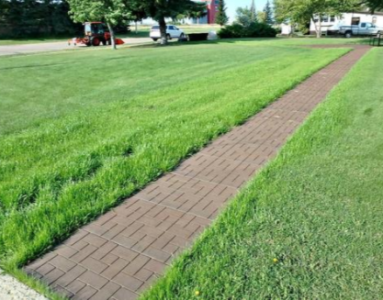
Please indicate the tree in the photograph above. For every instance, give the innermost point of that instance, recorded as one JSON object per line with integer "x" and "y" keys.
{"x": 302, "y": 11}
{"x": 109, "y": 11}
{"x": 32, "y": 18}
{"x": 373, "y": 5}
{"x": 196, "y": 14}
{"x": 244, "y": 16}
{"x": 261, "y": 16}
{"x": 253, "y": 11}
{"x": 159, "y": 10}
{"x": 221, "y": 17}
{"x": 4, "y": 9}
{"x": 268, "y": 14}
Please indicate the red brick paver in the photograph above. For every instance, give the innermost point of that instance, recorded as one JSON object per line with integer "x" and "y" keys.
{"x": 122, "y": 252}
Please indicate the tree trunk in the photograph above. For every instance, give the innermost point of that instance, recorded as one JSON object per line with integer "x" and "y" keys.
{"x": 112, "y": 36}
{"x": 136, "y": 28}
{"x": 164, "y": 36}
{"x": 318, "y": 26}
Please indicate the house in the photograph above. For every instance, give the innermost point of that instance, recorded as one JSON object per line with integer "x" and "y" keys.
{"x": 212, "y": 8}
{"x": 331, "y": 24}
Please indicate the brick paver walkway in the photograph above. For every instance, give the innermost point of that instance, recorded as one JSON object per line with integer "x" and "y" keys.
{"x": 120, "y": 254}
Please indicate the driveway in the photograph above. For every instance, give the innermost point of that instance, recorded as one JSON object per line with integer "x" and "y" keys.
{"x": 56, "y": 46}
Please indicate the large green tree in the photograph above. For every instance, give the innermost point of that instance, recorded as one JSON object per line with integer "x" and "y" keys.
{"x": 160, "y": 10}
{"x": 268, "y": 13}
{"x": 253, "y": 11}
{"x": 302, "y": 11}
{"x": 109, "y": 11}
{"x": 4, "y": 9}
{"x": 244, "y": 16}
{"x": 221, "y": 17}
{"x": 27, "y": 18}
{"x": 374, "y": 5}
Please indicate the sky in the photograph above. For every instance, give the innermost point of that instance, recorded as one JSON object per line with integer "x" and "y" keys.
{"x": 232, "y": 6}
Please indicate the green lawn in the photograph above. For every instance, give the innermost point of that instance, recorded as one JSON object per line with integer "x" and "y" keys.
{"x": 309, "y": 226}
{"x": 10, "y": 42}
{"x": 80, "y": 131}
{"x": 142, "y": 32}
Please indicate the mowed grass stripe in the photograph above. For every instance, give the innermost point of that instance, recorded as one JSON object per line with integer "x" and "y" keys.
{"x": 76, "y": 81}
{"x": 309, "y": 226}
{"x": 63, "y": 173}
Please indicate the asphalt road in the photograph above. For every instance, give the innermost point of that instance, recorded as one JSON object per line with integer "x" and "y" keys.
{"x": 56, "y": 46}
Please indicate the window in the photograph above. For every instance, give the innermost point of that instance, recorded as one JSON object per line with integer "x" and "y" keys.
{"x": 171, "y": 27}
{"x": 88, "y": 28}
{"x": 98, "y": 28}
{"x": 332, "y": 18}
{"x": 364, "y": 25}
{"x": 325, "y": 19}
{"x": 355, "y": 21}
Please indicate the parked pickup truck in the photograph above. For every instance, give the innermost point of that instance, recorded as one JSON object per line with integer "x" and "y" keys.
{"x": 361, "y": 29}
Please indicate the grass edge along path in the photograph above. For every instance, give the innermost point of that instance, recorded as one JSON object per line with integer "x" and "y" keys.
{"x": 212, "y": 249}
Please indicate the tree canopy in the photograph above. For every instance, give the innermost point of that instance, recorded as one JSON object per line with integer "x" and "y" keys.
{"x": 33, "y": 18}
{"x": 374, "y": 5}
{"x": 268, "y": 14}
{"x": 221, "y": 17}
{"x": 109, "y": 11}
{"x": 302, "y": 11}
{"x": 159, "y": 10}
{"x": 244, "y": 16}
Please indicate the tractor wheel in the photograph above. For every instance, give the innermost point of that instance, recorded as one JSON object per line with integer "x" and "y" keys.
{"x": 96, "y": 42}
{"x": 168, "y": 37}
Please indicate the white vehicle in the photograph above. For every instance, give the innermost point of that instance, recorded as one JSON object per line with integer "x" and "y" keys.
{"x": 172, "y": 32}
{"x": 364, "y": 28}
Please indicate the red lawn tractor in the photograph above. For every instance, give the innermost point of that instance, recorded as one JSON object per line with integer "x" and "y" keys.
{"x": 96, "y": 33}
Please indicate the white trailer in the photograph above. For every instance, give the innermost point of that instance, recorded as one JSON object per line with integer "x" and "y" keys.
{"x": 331, "y": 24}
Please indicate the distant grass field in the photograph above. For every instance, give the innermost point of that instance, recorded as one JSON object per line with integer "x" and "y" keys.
{"x": 10, "y": 42}
{"x": 142, "y": 32}
{"x": 80, "y": 131}
{"x": 309, "y": 226}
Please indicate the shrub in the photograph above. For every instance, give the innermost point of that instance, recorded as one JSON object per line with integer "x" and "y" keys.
{"x": 253, "y": 30}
